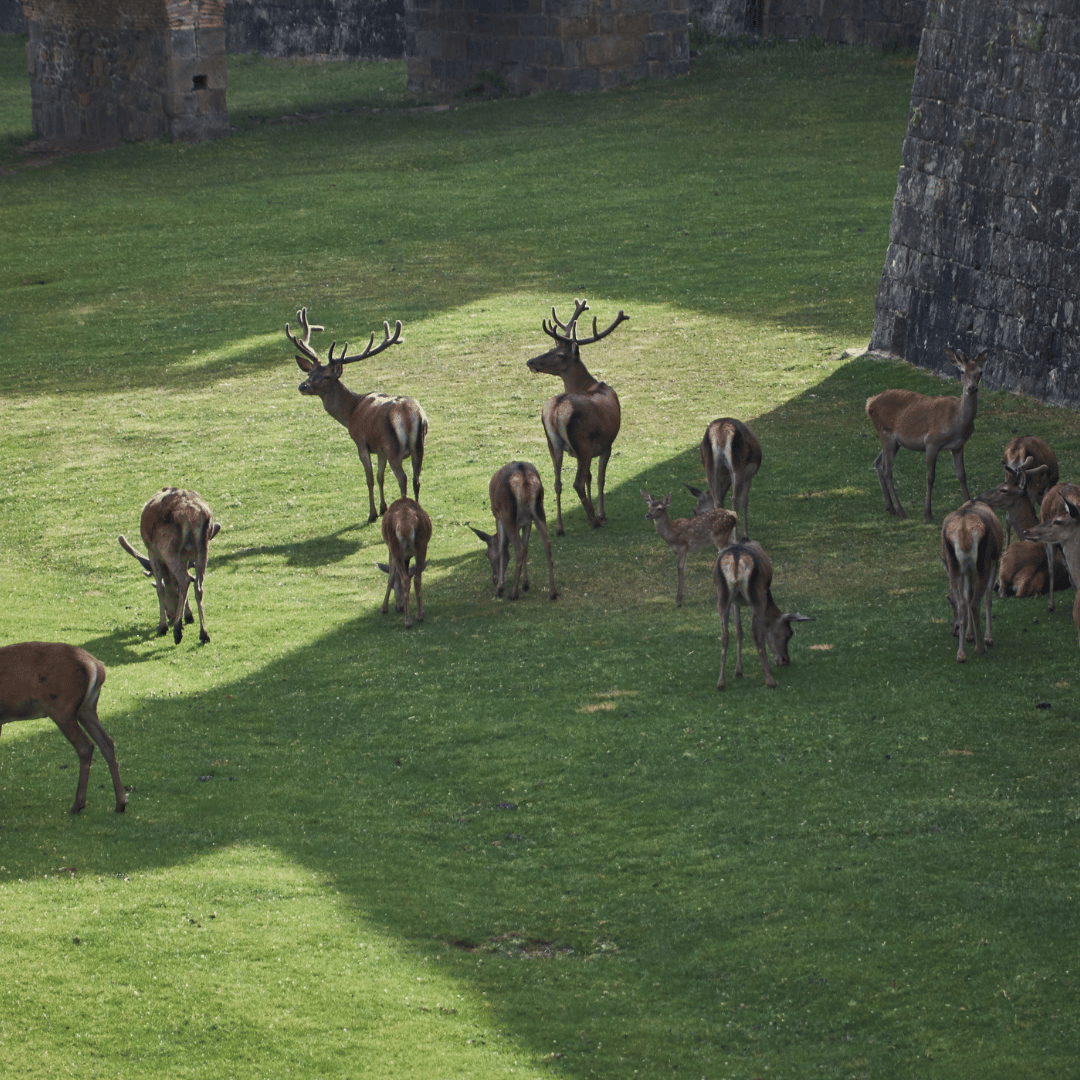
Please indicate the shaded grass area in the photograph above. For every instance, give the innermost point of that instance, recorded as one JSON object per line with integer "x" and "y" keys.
{"x": 526, "y": 836}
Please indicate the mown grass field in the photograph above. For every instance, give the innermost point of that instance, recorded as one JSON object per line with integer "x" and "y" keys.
{"x": 522, "y": 838}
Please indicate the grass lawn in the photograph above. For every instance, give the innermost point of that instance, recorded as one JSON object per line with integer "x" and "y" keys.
{"x": 521, "y": 838}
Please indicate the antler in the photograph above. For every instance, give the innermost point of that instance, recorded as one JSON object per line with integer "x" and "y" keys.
{"x": 603, "y": 333}
{"x": 570, "y": 327}
{"x": 304, "y": 344}
{"x": 369, "y": 351}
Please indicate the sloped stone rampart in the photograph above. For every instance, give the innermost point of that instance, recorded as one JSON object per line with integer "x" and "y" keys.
{"x": 985, "y": 238}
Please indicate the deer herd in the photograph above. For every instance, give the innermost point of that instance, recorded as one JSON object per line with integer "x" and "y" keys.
{"x": 64, "y": 682}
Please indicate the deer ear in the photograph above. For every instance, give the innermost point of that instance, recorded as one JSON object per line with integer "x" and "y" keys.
{"x": 213, "y": 532}
{"x": 483, "y": 535}
{"x": 794, "y": 616}
{"x": 305, "y": 364}
{"x": 1073, "y": 509}
{"x": 957, "y": 360}
{"x": 644, "y": 494}
{"x": 383, "y": 567}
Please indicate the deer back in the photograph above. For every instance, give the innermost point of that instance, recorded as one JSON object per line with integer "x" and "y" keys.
{"x": 179, "y": 522}
{"x": 516, "y": 493}
{"x": 43, "y": 678}
{"x": 971, "y": 543}
{"x": 730, "y": 445}
{"x": 391, "y": 424}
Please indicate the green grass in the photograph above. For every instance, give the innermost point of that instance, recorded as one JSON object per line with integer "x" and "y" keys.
{"x": 526, "y": 837}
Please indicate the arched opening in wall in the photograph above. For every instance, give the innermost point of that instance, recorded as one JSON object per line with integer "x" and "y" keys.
{"x": 754, "y": 17}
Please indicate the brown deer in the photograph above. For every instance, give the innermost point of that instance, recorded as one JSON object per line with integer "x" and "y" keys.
{"x": 926, "y": 424}
{"x": 1031, "y": 455}
{"x": 177, "y": 527}
{"x": 517, "y": 503}
{"x": 743, "y": 577}
{"x": 1052, "y": 507}
{"x": 971, "y": 541}
{"x": 1023, "y": 558}
{"x": 1060, "y": 524}
{"x": 583, "y": 421}
{"x": 684, "y": 535}
{"x": 731, "y": 455}
{"x": 391, "y": 427}
{"x": 63, "y": 682}
{"x": 406, "y": 528}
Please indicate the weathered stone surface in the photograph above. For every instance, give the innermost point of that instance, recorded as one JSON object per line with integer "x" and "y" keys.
{"x": 985, "y": 237}
{"x": 575, "y": 44}
{"x": 342, "y": 29}
{"x": 886, "y": 23}
{"x": 104, "y": 72}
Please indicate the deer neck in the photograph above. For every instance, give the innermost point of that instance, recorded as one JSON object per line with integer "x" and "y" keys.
{"x": 969, "y": 404}
{"x": 577, "y": 380}
{"x": 339, "y": 401}
{"x": 1021, "y": 515}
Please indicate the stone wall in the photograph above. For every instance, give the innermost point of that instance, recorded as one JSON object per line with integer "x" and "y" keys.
{"x": 890, "y": 23}
{"x": 12, "y": 17}
{"x": 985, "y": 239}
{"x": 109, "y": 71}
{"x": 528, "y": 45}
{"x": 353, "y": 29}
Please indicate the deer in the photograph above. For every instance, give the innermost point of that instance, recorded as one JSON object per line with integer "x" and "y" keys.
{"x": 684, "y": 535}
{"x": 517, "y": 503}
{"x": 929, "y": 425}
{"x": 1028, "y": 558}
{"x": 1051, "y": 507}
{"x": 584, "y": 420}
{"x": 392, "y": 428}
{"x": 1031, "y": 455}
{"x": 971, "y": 542}
{"x": 1060, "y": 524}
{"x": 731, "y": 455}
{"x": 743, "y": 578}
{"x": 63, "y": 682}
{"x": 177, "y": 527}
{"x": 406, "y": 528}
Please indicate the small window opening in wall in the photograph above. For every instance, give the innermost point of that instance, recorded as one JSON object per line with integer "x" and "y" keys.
{"x": 199, "y": 82}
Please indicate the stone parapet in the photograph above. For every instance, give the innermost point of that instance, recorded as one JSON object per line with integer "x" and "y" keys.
{"x": 985, "y": 238}
{"x": 532, "y": 45}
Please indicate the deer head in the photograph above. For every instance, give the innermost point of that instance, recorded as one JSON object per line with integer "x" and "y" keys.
{"x": 566, "y": 352}
{"x": 320, "y": 375}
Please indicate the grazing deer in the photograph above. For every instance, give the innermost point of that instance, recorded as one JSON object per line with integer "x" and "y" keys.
{"x": 406, "y": 528}
{"x": 517, "y": 502}
{"x": 684, "y": 535}
{"x": 177, "y": 527}
{"x": 583, "y": 421}
{"x": 63, "y": 682}
{"x": 392, "y": 427}
{"x": 926, "y": 424}
{"x": 1012, "y": 497}
{"x": 731, "y": 455}
{"x": 743, "y": 577}
{"x": 971, "y": 540}
{"x": 1061, "y": 525}
{"x": 1029, "y": 454}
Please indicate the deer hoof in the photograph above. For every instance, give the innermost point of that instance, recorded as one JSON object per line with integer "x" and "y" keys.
{"x": 204, "y": 637}
{"x": 162, "y": 631}
{"x": 177, "y": 634}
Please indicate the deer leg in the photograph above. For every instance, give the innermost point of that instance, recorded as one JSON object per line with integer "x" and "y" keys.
{"x": 504, "y": 558}
{"x": 884, "y": 463}
{"x": 88, "y": 717}
{"x": 988, "y": 636}
{"x": 200, "y": 574}
{"x": 1051, "y": 574}
{"x": 158, "y": 571}
{"x": 931, "y": 469}
{"x": 757, "y": 628}
{"x": 175, "y": 565}
{"x": 555, "y": 450}
{"x": 85, "y": 749}
{"x": 419, "y": 597}
{"x": 680, "y": 561}
{"x": 583, "y": 487}
{"x": 417, "y": 464}
{"x": 365, "y": 460}
{"x": 526, "y": 532}
{"x": 382, "y": 477}
{"x": 740, "y": 494}
{"x": 541, "y": 528}
{"x": 397, "y": 468}
{"x": 725, "y": 611}
{"x": 961, "y": 475}
{"x": 738, "y": 640}
{"x": 601, "y": 474}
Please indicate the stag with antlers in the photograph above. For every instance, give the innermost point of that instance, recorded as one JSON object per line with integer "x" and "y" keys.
{"x": 392, "y": 427}
{"x": 584, "y": 420}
